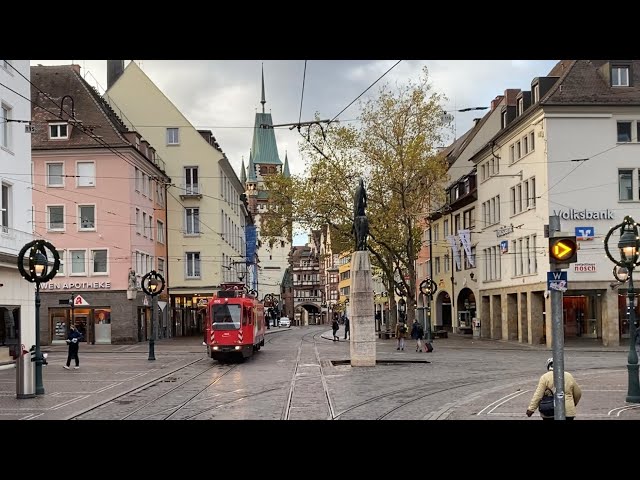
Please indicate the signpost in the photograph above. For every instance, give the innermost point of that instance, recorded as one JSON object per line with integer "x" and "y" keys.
{"x": 563, "y": 251}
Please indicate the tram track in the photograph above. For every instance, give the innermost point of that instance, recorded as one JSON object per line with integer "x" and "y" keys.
{"x": 177, "y": 408}
{"x": 157, "y": 381}
{"x": 407, "y": 391}
{"x": 286, "y": 411}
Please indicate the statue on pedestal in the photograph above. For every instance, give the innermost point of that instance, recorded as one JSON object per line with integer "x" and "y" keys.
{"x": 360, "y": 221}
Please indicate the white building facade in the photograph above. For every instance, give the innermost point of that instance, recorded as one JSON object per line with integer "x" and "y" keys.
{"x": 573, "y": 153}
{"x": 17, "y": 300}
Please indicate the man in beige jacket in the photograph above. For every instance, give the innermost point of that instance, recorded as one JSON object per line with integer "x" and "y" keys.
{"x": 572, "y": 393}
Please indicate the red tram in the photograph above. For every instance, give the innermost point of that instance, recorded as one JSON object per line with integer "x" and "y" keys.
{"x": 234, "y": 323}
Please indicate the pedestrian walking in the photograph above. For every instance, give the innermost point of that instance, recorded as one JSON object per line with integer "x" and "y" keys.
{"x": 73, "y": 339}
{"x": 417, "y": 332}
{"x": 572, "y": 393}
{"x": 401, "y": 334}
{"x": 335, "y": 327}
{"x": 347, "y": 330}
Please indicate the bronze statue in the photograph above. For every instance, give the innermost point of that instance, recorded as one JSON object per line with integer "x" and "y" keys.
{"x": 360, "y": 221}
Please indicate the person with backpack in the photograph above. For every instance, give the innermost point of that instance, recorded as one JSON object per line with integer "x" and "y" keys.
{"x": 401, "y": 334}
{"x": 417, "y": 332}
{"x": 546, "y": 387}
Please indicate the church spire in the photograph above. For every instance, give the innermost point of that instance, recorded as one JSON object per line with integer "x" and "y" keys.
{"x": 263, "y": 101}
{"x": 285, "y": 171}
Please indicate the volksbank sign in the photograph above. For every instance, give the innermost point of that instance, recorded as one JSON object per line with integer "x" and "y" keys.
{"x": 584, "y": 214}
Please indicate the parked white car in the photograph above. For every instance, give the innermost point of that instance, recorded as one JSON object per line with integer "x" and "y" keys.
{"x": 284, "y": 322}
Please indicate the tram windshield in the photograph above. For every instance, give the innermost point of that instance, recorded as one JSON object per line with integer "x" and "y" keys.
{"x": 226, "y": 317}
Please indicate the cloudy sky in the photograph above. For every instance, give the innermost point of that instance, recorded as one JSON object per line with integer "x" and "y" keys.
{"x": 223, "y": 95}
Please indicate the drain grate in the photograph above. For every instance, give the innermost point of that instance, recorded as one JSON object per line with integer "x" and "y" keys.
{"x": 379, "y": 362}
{"x": 169, "y": 380}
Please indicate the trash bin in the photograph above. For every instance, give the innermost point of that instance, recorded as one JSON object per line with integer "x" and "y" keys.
{"x": 476, "y": 328}
{"x": 26, "y": 374}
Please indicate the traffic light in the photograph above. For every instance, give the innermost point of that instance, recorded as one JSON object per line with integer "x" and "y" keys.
{"x": 563, "y": 250}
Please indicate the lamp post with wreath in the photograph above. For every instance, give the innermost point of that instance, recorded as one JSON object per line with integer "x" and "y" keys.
{"x": 39, "y": 272}
{"x": 629, "y": 246}
{"x": 152, "y": 284}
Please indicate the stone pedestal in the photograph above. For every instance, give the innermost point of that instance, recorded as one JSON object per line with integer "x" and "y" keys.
{"x": 362, "y": 321}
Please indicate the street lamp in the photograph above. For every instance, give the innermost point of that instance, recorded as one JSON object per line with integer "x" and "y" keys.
{"x": 38, "y": 273}
{"x": 152, "y": 285}
{"x": 629, "y": 246}
{"x": 72, "y": 304}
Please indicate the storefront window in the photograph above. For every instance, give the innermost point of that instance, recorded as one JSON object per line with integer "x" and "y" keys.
{"x": 102, "y": 320}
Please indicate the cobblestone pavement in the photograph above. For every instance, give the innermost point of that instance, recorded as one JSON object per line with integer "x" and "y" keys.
{"x": 301, "y": 374}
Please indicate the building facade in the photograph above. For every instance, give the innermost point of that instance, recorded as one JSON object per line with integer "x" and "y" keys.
{"x": 99, "y": 198}
{"x": 570, "y": 152}
{"x": 329, "y": 276}
{"x": 454, "y": 229}
{"x": 206, "y": 221}
{"x": 17, "y": 307}
{"x": 273, "y": 257}
{"x": 307, "y": 288}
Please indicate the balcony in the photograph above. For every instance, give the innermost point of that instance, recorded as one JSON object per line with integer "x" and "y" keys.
{"x": 191, "y": 190}
{"x": 12, "y": 241}
{"x": 306, "y": 268}
{"x": 306, "y": 283}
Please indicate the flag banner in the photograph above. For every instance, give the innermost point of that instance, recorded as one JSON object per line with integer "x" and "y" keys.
{"x": 456, "y": 252}
{"x": 465, "y": 238}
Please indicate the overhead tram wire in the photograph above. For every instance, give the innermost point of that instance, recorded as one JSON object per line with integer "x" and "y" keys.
{"x": 366, "y": 90}
{"x": 304, "y": 75}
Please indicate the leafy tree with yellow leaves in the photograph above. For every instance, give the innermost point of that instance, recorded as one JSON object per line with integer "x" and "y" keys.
{"x": 394, "y": 148}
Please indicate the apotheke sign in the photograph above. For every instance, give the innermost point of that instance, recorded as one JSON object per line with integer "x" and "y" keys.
{"x": 75, "y": 286}
{"x": 584, "y": 214}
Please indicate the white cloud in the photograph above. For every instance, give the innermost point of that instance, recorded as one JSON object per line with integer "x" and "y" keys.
{"x": 223, "y": 95}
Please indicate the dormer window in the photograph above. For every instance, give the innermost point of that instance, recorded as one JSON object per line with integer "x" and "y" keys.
{"x": 620, "y": 76}
{"x": 58, "y": 131}
{"x": 504, "y": 119}
{"x": 520, "y": 106}
{"x": 536, "y": 93}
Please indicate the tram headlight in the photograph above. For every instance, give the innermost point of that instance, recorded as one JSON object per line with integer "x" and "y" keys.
{"x": 238, "y": 347}
{"x": 215, "y": 348}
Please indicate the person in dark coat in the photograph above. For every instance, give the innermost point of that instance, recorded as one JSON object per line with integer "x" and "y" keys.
{"x": 335, "y": 328}
{"x": 73, "y": 340}
{"x": 417, "y": 333}
{"x": 347, "y": 331}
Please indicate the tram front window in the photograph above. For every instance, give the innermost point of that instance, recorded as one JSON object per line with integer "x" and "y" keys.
{"x": 226, "y": 317}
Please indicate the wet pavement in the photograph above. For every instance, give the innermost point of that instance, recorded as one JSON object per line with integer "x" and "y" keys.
{"x": 464, "y": 378}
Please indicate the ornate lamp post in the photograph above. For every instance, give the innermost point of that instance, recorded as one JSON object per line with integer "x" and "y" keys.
{"x": 152, "y": 285}
{"x": 38, "y": 273}
{"x": 629, "y": 246}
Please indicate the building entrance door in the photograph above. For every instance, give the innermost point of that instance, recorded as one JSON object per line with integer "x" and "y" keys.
{"x": 580, "y": 318}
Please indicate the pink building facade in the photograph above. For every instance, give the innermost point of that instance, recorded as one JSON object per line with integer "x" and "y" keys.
{"x": 101, "y": 201}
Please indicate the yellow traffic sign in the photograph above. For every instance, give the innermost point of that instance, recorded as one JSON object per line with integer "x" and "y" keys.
{"x": 563, "y": 250}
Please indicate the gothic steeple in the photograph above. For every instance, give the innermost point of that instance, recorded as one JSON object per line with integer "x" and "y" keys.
{"x": 243, "y": 174}
{"x": 285, "y": 170}
{"x": 263, "y": 101}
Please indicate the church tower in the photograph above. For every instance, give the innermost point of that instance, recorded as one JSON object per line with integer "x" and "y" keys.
{"x": 263, "y": 161}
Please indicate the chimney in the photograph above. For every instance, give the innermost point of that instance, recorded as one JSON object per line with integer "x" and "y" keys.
{"x": 496, "y": 101}
{"x": 511, "y": 94}
{"x": 114, "y": 70}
